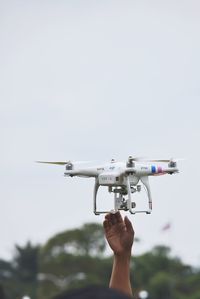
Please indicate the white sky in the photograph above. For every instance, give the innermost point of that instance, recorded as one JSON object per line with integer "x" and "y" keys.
{"x": 98, "y": 80}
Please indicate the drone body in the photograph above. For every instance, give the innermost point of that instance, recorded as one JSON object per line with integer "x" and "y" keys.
{"x": 121, "y": 178}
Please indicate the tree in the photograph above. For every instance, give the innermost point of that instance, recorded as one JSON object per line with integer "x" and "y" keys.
{"x": 164, "y": 276}
{"x": 26, "y": 262}
{"x": 161, "y": 286}
{"x": 72, "y": 259}
{"x": 2, "y": 295}
{"x": 87, "y": 240}
{"x": 19, "y": 277}
{"x": 76, "y": 258}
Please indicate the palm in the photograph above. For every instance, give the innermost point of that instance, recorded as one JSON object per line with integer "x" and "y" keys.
{"x": 119, "y": 233}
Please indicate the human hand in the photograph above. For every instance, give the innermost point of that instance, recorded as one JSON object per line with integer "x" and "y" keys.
{"x": 119, "y": 233}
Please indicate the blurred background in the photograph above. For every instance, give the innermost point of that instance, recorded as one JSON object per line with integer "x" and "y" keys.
{"x": 95, "y": 80}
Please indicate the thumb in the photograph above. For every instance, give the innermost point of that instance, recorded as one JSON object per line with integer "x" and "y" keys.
{"x": 129, "y": 226}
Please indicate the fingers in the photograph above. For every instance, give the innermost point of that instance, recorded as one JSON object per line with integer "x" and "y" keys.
{"x": 107, "y": 217}
{"x": 111, "y": 219}
{"x": 107, "y": 225}
{"x": 114, "y": 218}
{"x": 118, "y": 217}
{"x": 129, "y": 226}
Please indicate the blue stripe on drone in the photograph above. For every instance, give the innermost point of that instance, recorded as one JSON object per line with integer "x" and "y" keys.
{"x": 153, "y": 169}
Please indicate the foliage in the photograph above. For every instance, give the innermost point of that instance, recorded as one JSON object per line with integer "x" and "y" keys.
{"x": 73, "y": 259}
{"x": 19, "y": 277}
{"x": 165, "y": 277}
{"x": 87, "y": 240}
{"x": 77, "y": 258}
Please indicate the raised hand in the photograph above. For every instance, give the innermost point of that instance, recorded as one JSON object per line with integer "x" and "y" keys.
{"x": 119, "y": 233}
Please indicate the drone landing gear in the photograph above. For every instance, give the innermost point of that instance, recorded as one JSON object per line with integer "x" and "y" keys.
{"x": 120, "y": 203}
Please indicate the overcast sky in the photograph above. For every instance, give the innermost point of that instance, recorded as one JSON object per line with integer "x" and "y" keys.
{"x": 98, "y": 80}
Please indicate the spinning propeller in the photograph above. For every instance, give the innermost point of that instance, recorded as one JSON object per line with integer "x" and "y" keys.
{"x": 156, "y": 160}
{"x": 64, "y": 163}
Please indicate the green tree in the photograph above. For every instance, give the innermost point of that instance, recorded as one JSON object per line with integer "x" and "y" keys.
{"x": 73, "y": 259}
{"x": 2, "y": 295}
{"x": 26, "y": 262}
{"x": 161, "y": 286}
{"x": 76, "y": 258}
{"x": 87, "y": 240}
{"x": 19, "y": 277}
{"x": 164, "y": 276}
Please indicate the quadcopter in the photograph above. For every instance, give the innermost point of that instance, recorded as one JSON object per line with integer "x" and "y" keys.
{"x": 122, "y": 179}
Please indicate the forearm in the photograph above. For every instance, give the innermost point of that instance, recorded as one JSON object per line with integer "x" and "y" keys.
{"x": 120, "y": 277}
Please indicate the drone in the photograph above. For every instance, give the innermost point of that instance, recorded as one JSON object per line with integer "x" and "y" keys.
{"x": 122, "y": 179}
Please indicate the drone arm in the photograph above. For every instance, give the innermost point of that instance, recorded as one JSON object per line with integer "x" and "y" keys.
{"x": 82, "y": 173}
{"x": 145, "y": 181}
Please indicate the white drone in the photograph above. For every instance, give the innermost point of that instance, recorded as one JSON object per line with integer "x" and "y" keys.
{"x": 121, "y": 178}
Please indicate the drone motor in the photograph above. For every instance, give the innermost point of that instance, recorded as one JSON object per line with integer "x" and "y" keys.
{"x": 172, "y": 163}
{"x": 69, "y": 166}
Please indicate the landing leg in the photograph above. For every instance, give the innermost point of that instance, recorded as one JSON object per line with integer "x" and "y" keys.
{"x": 145, "y": 181}
{"x": 96, "y": 187}
{"x": 129, "y": 203}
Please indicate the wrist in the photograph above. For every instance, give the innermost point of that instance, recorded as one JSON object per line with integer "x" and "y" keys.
{"x": 125, "y": 255}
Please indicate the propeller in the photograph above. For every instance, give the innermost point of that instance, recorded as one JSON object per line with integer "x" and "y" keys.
{"x": 160, "y": 160}
{"x": 136, "y": 158}
{"x": 56, "y": 163}
{"x": 64, "y": 163}
{"x": 165, "y": 160}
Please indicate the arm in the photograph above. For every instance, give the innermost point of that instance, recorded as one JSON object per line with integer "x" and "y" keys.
{"x": 120, "y": 234}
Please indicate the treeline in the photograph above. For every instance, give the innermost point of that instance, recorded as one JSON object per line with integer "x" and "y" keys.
{"x": 76, "y": 258}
